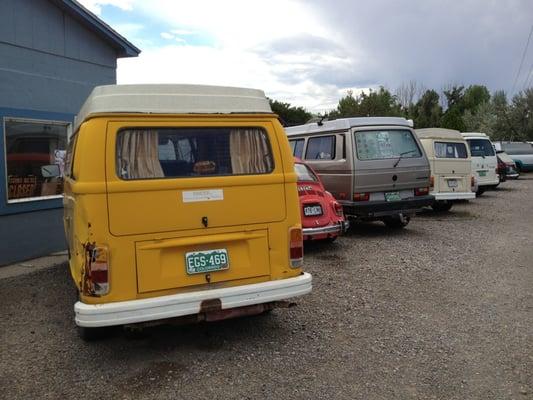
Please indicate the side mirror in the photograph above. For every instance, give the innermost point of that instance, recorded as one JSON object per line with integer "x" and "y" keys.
{"x": 50, "y": 171}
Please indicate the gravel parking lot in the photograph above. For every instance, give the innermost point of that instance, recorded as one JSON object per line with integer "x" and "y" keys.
{"x": 440, "y": 310}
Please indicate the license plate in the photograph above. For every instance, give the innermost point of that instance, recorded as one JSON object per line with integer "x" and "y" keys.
{"x": 199, "y": 262}
{"x": 312, "y": 210}
{"x": 392, "y": 196}
{"x": 482, "y": 173}
{"x": 452, "y": 183}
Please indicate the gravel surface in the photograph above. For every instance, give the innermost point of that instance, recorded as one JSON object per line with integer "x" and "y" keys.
{"x": 440, "y": 310}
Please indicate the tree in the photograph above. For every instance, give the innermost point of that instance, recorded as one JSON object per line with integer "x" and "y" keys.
{"x": 483, "y": 119}
{"x": 406, "y": 93}
{"x": 427, "y": 112}
{"x": 453, "y": 119}
{"x": 521, "y": 115}
{"x": 474, "y": 96}
{"x": 380, "y": 103}
{"x": 290, "y": 115}
{"x": 454, "y": 96}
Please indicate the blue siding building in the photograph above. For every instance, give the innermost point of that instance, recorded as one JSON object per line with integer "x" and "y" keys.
{"x": 52, "y": 53}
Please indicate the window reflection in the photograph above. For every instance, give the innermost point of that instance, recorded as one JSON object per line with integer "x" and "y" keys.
{"x": 35, "y": 158}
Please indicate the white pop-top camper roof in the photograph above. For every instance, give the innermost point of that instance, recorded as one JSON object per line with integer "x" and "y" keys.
{"x": 347, "y": 123}
{"x": 439, "y": 133}
{"x": 474, "y": 135}
{"x": 172, "y": 99}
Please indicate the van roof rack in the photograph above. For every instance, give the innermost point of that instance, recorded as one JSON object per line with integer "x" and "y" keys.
{"x": 346, "y": 123}
{"x": 172, "y": 99}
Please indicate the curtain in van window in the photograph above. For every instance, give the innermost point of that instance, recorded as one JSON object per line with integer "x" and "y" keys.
{"x": 138, "y": 155}
{"x": 249, "y": 150}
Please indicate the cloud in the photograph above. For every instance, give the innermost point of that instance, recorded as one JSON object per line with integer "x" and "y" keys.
{"x": 309, "y": 53}
{"x": 96, "y": 5}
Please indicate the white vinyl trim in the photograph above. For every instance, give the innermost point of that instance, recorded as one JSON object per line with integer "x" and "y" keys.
{"x": 177, "y": 305}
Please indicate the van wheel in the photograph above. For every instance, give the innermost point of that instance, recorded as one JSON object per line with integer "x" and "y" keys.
{"x": 480, "y": 191}
{"x": 442, "y": 206}
{"x": 93, "y": 334}
{"x": 397, "y": 221}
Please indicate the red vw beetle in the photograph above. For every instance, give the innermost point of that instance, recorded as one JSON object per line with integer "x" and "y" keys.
{"x": 322, "y": 216}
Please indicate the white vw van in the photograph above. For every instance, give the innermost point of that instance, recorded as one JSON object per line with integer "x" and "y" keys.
{"x": 451, "y": 166}
{"x": 484, "y": 161}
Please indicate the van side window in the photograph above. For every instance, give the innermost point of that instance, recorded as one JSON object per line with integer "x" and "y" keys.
{"x": 297, "y": 147}
{"x": 450, "y": 150}
{"x": 148, "y": 153}
{"x": 69, "y": 157}
{"x": 320, "y": 148}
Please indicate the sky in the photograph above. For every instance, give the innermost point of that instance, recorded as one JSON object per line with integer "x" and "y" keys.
{"x": 310, "y": 53}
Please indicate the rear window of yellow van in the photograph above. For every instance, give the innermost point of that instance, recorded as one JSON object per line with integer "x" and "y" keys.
{"x": 148, "y": 153}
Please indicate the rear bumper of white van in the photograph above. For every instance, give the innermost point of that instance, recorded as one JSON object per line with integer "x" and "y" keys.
{"x": 450, "y": 196}
{"x": 135, "y": 311}
{"x": 488, "y": 182}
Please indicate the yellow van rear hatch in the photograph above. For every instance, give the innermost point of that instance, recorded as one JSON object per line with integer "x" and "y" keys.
{"x": 196, "y": 201}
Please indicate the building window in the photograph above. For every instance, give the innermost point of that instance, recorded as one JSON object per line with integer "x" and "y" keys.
{"x": 35, "y": 158}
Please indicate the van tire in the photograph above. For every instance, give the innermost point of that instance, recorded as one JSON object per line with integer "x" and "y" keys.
{"x": 397, "y": 221}
{"x": 480, "y": 191}
{"x": 92, "y": 334}
{"x": 442, "y": 206}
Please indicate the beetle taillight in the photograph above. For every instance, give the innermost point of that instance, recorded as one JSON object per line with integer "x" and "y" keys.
{"x": 338, "y": 209}
{"x": 96, "y": 271}
{"x": 296, "y": 247}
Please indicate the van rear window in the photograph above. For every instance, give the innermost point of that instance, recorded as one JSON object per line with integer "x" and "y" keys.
{"x": 383, "y": 144}
{"x": 450, "y": 150}
{"x": 148, "y": 153}
{"x": 480, "y": 147}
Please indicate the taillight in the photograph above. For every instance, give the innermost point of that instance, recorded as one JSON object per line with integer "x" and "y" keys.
{"x": 338, "y": 209}
{"x": 432, "y": 181}
{"x": 472, "y": 181}
{"x": 361, "y": 196}
{"x": 96, "y": 271}
{"x": 296, "y": 247}
{"x": 421, "y": 191}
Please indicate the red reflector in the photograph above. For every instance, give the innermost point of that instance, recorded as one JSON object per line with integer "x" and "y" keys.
{"x": 296, "y": 247}
{"x": 421, "y": 191}
{"x": 361, "y": 196}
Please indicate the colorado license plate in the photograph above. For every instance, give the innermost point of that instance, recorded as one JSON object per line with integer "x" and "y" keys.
{"x": 198, "y": 262}
{"x": 392, "y": 196}
{"x": 312, "y": 210}
{"x": 452, "y": 183}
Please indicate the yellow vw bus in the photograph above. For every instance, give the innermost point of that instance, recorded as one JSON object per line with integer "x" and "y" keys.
{"x": 180, "y": 200}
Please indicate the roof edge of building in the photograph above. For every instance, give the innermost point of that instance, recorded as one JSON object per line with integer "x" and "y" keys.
{"x": 95, "y": 24}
